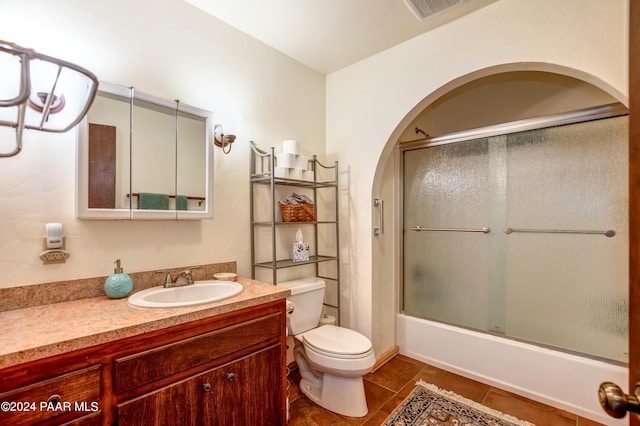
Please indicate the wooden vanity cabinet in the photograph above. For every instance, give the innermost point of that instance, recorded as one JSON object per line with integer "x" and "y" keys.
{"x": 238, "y": 393}
{"x": 228, "y": 369}
{"x": 233, "y": 375}
{"x": 225, "y": 370}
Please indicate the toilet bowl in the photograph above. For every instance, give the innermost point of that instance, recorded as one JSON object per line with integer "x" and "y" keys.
{"x": 332, "y": 360}
{"x": 332, "y": 374}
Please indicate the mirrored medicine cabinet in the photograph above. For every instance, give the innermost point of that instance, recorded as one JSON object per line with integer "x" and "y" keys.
{"x": 143, "y": 157}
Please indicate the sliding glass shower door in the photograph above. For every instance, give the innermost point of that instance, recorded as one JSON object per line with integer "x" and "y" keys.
{"x": 522, "y": 234}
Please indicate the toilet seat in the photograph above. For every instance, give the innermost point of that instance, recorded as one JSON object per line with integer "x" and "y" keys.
{"x": 337, "y": 342}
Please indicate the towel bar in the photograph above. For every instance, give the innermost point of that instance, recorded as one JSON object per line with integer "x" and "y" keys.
{"x": 607, "y": 233}
{"x": 484, "y": 230}
{"x": 189, "y": 197}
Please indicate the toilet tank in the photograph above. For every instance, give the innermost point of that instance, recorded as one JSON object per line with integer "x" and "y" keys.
{"x": 307, "y": 294}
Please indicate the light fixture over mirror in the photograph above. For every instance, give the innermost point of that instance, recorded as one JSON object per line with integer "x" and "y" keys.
{"x": 221, "y": 140}
{"x": 58, "y": 93}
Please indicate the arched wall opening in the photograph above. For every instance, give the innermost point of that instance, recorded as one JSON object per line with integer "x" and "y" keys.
{"x": 488, "y": 96}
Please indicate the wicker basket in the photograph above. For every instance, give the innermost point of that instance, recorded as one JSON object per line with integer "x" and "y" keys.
{"x": 298, "y": 212}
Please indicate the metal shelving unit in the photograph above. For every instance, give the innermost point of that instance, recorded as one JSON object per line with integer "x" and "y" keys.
{"x": 262, "y": 166}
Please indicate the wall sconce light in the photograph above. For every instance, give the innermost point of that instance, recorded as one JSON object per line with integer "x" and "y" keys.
{"x": 222, "y": 140}
{"x": 58, "y": 93}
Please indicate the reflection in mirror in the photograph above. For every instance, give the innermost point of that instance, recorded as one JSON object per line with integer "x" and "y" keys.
{"x": 192, "y": 162}
{"x": 153, "y": 154}
{"x": 143, "y": 157}
{"x": 109, "y": 151}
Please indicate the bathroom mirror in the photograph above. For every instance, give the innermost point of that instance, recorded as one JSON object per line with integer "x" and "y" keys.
{"x": 142, "y": 157}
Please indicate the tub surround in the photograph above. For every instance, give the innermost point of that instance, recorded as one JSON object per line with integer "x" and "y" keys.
{"x": 40, "y": 331}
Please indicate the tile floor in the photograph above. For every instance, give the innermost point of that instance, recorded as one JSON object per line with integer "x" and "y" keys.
{"x": 389, "y": 385}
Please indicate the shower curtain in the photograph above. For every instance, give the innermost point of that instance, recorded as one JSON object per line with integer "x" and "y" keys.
{"x": 506, "y": 234}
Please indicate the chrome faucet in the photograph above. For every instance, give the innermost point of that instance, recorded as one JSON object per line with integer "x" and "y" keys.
{"x": 183, "y": 278}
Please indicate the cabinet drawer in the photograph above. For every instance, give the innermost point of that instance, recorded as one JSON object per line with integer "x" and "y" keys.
{"x": 77, "y": 392}
{"x": 146, "y": 367}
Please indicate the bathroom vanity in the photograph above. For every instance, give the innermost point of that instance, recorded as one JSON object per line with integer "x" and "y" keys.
{"x": 220, "y": 364}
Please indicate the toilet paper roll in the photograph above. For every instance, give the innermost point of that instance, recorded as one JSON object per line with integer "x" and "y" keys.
{"x": 295, "y": 174}
{"x": 301, "y": 162}
{"x": 286, "y": 159}
{"x": 282, "y": 172}
{"x": 291, "y": 146}
{"x": 327, "y": 320}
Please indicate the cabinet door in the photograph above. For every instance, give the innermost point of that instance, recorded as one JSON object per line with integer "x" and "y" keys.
{"x": 182, "y": 403}
{"x": 250, "y": 390}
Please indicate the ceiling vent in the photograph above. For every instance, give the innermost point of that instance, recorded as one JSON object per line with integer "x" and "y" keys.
{"x": 426, "y": 8}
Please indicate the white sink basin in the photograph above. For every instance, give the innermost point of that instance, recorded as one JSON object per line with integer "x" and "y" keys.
{"x": 198, "y": 293}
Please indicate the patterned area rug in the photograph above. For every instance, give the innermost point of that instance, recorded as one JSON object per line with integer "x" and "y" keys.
{"x": 430, "y": 406}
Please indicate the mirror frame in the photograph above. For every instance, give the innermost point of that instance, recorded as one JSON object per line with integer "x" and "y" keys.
{"x": 82, "y": 164}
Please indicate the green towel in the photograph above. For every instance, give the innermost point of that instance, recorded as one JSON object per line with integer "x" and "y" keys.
{"x": 181, "y": 202}
{"x": 150, "y": 201}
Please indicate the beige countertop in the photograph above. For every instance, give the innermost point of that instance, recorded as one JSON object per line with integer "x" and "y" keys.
{"x": 40, "y": 331}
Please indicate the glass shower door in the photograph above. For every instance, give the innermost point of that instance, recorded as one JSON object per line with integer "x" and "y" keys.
{"x": 543, "y": 271}
{"x": 569, "y": 290}
{"x": 447, "y": 272}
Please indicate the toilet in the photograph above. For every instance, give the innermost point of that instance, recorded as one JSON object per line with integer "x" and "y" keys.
{"x": 332, "y": 360}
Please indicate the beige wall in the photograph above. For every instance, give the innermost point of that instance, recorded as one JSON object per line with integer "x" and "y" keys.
{"x": 370, "y": 104}
{"x": 517, "y": 95}
{"x": 172, "y": 50}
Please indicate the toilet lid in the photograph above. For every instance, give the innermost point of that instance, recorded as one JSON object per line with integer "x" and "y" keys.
{"x": 337, "y": 341}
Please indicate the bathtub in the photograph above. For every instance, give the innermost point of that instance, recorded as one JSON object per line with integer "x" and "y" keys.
{"x": 562, "y": 380}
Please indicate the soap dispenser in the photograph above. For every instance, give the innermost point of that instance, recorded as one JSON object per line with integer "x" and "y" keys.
{"x": 118, "y": 284}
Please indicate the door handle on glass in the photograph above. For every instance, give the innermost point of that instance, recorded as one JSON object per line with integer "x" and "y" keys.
{"x": 615, "y": 402}
{"x": 379, "y": 203}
